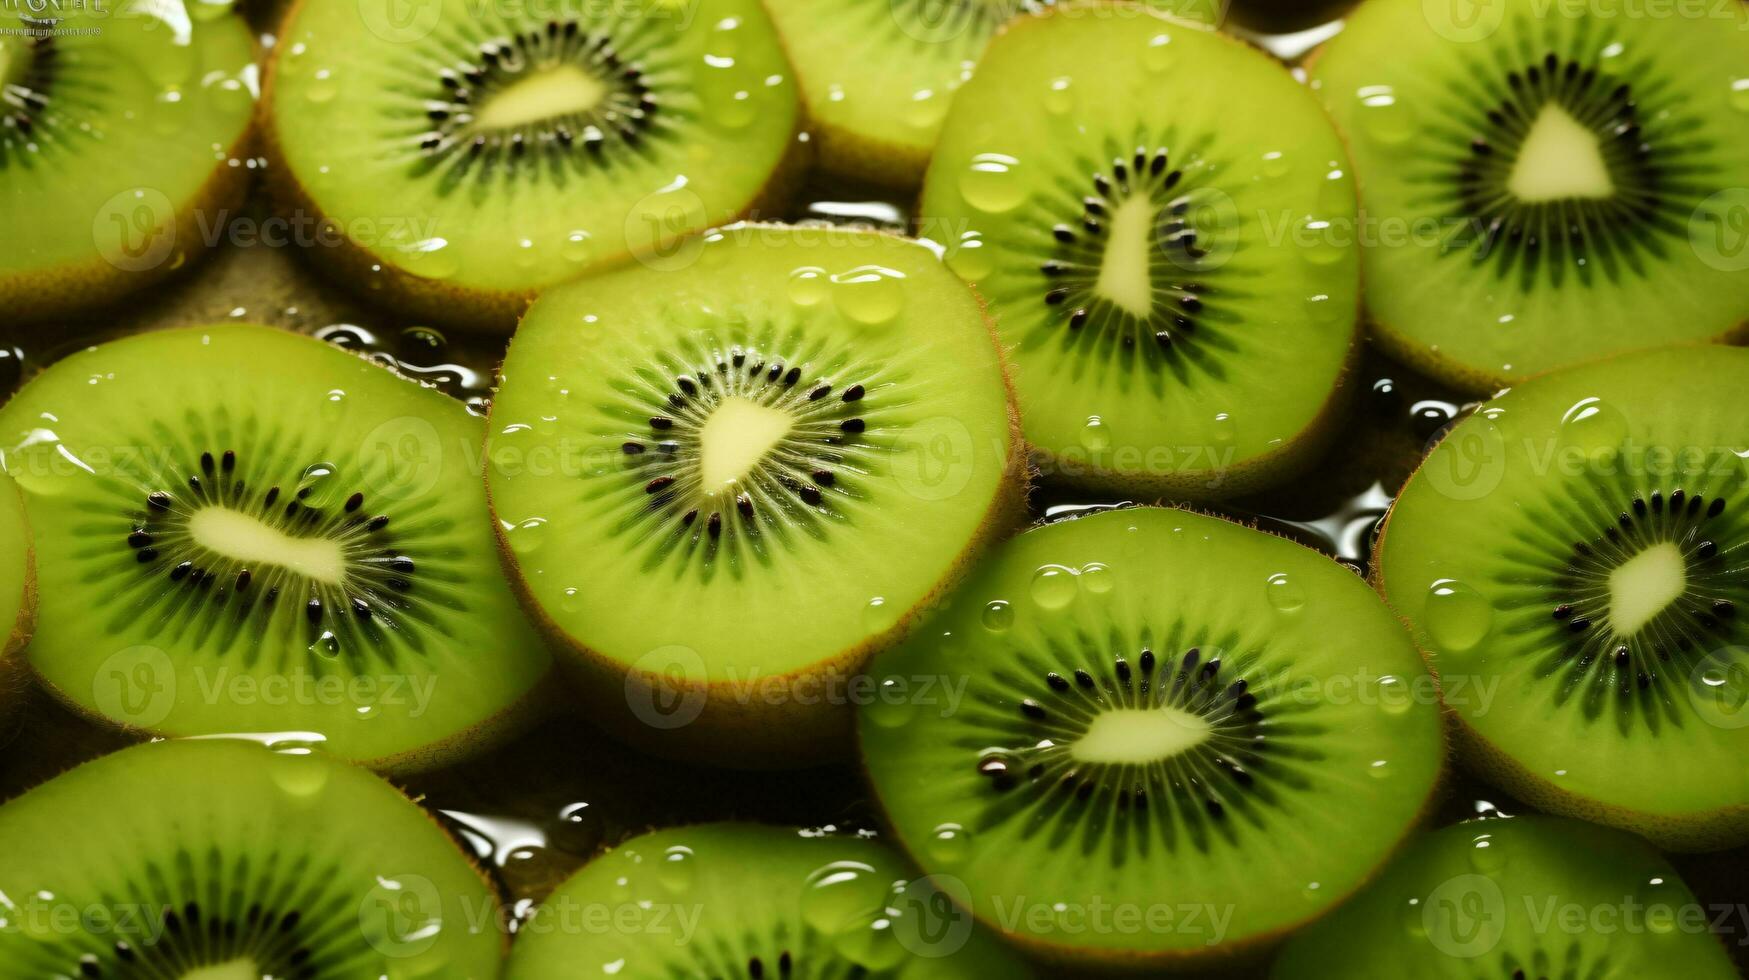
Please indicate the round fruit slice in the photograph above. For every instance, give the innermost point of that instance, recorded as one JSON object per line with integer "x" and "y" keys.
{"x": 1546, "y": 186}
{"x": 17, "y": 593}
{"x": 1149, "y": 737}
{"x": 473, "y": 154}
{"x": 772, "y": 459}
{"x": 118, "y": 138}
{"x": 1524, "y": 897}
{"x": 1580, "y": 547}
{"x": 1177, "y": 280}
{"x": 241, "y": 529}
{"x": 224, "y": 860}
{"x": 744, "y": 900}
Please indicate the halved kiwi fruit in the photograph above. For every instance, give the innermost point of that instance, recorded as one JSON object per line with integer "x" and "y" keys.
{"x": 1544, "y": 185}
{"x": 226, "y": 860}
{"x": 17, "y": 596}
{"x": 746, "y": 900}
{"x": 1521, "y": 898}
{"x": 472, "y": 154}
{"x": 243, "y": 530}
{"x": 773, "y": 458}
{"x": 1575, "y": 552}
{"x": 1173, "y": 738}
{"x": 1177, "y": 280}
{"x": 119, "y": 133}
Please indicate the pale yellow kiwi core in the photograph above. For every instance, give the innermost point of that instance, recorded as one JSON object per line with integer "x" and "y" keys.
{"x": 1124, "y": 271}
{"x": 242, "y": 968}
{"x": 1560, "y": 160}
{"x": 243, "y": 537}
{"x": 1644, "y": 586}
{"x": 1137, "y": 736}
{"x": 736, "y": 437}
{"x": 550, "y": 94}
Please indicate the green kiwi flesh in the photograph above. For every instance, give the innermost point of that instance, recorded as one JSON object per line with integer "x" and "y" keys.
{"x": 1579, "y": 544}
{"x": 243, "y": 530}
{"x": 750, "y": 901}
{"x": 480, "y": 153}
{"x": 1171, "y": 276}
{"x": 1521, "y": 898}
{"x": 117, "y": 138}
{"x": 1153, "y": 710}
{"x": 1546, "y": 185}
{"x": 226, "y": 860}
{"x": 17, "y": 597}
{"x": 770, "y": 457}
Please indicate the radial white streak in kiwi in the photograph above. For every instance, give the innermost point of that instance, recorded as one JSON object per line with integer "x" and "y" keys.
{"x": 242, "y": 537}
{"x": 1124, "y": 276}
{"x": 1560, "y": 160}
{"x": 1645, "y": 586}
{"x": 554, "y": 93}
{"x": 735, "y": 438}
{"x": 1138, "y": 736}
{"x": 242, "y": 968}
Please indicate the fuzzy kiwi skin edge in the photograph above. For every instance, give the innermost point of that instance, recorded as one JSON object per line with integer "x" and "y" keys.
{"x": 1707, "y": 830}
{"x": 751, "y": 736}
{"x": 15, "y": 672}
{"x": 1251, "y": 955}
{"x": 484, "y": 310}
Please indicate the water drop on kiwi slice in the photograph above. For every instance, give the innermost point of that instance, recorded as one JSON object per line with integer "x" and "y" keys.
{"x": 1174, "y": 278}
{"x": 766, "y": 903}
{"x": 473, "y": 155}
{"x": 221, "y": 549}
{"x": 1175, "y": 711}
{"x": 722, "y": 486}
{"x": 1573, "y": 554}
{"x": 1545, "y": 185}
{"x": 1522, "y": 897}
{"x": 118, "y": 143}
{"x": 226, "y": 860}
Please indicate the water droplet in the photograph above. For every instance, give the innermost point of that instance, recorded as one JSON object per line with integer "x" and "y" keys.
{"x": 971, "y": 257}
{"x": 333, "y": 405}
{"x": 1275, "y": 164}
{"x": 949, "y": 844}
{"x": 523, "y": 256}
{"x": 869, "y": 294}
{"x": 326, "y": 646}
{"x": 1054, "y": 586}
{"x": 1663, "y": 900}
{"x": 808, "y": 285}
{"x": 1414, "y": 919}
{"x": 577, "y": 248}
{"x": 318, "y": 487}
{"x": 992, "y": 184}
{"x": 873, "y": 946}
{"x": 1486, "y": 855}
{"x": 1594, "y": 428}
{"x": 526, "y": 535}
{"x": 1379, "y": 769}
{"x": 1095, "y": 435}
{"x": 571, "y": 599}
{"x": 1284, "y": 594}
{"x": 1096, "y": 577}
{"x": 998, "y": 615}
{"x": 1157, "y": 57}
{"x": 677, "y": 870}
{"x": 1224, "y": 431}
{"x": 1457, "y": 617}
{"x": 925, "y": 109}
{"x": 298, "y": 772}
{"x": 1321, "y": 242}
{"x": 891, "y": 707}
{"x": 321, "y": 88}
{"x": 1313, "y": 891}
{"x": 578, "y": 830}
{"x": 1320, "y": 309}
{"x": 1740, "y": 94}
{"x": 842, "y": 896}
{"x": 1060, "y": 97}
{"x": 432, "y": 258}
{"x": 1383, "y": 116}
{"x": 1393, "y": 695}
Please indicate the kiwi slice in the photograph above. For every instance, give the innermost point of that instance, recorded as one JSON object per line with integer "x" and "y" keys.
{"x": 1543, "y": 185}
{"x": 1527, "y": 897}
{"x": 225, "y": 860}
{"x": 17, "y": 595}
{"x": 773, "y": 458}
{"x": 749, "y": 901}
{"x": 1174, "y": 738}
{"x": 472, "y": 154}
{"x": 1577, "y": 553}
{"x": 1167, "y": 271}
{"x": 119, "y": 133}
{"x": 244, "y": 530}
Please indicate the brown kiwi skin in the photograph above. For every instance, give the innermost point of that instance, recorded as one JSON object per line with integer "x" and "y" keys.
{"x": 15, "y": 671}
{"x": 487, "y": 311}
{"x": 1706, "y": 830}
{"x": 1249, "y": 957}
{"x": 732, "y": 731}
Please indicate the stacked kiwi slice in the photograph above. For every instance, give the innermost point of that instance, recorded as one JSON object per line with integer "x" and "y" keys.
{"x": 1177, "y": 281}
{"x": 1590, "y": 604}
{"x": 744, "y": 900}
{"x": 1160, "y": 738}
{"x": 471, "y": 154}
{"x": 226, "y": 549}
{"x": 119, "y": 138}
{"x": 1545, "y": 185}
{"x": 1522, "y": 897}
{"x": 773, "y": 458}
{"x": 226, "y": 860}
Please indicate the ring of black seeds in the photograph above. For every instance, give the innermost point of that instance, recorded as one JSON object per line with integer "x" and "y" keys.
{"x": 25, "y": 100}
